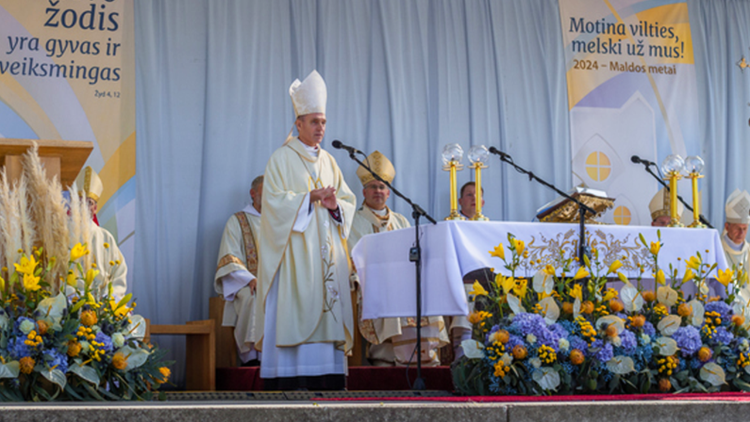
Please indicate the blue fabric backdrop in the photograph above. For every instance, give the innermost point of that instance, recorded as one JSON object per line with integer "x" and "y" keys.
{"x": 404, "y": 78}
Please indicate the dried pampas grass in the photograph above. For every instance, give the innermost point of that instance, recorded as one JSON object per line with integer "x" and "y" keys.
{"x": 48, "y": 214}
{"x": 80, "y": 222}
{"x": 10, "y": 222}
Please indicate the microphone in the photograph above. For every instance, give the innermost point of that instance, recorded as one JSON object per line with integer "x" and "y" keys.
{"x": 338, "y": 145}
{"x": 498, "y": 152}
{"x": 638, "y": 160}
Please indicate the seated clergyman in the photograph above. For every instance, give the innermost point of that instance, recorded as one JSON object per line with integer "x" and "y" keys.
{"x": 733, "y": 241}
{"x": 660, "y": 209}
{"x": 393, "y": 340}
{"x": 236, "y": 272}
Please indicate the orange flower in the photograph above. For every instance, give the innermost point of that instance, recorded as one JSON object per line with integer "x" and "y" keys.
{"x": 738, "y": 320}
{"x": 704, "y": 354}
{"x": 649, "y": 295}
{"x": 165, "y": 373}
{"x": 74, "y": 348}
{"x": 576, "y": 357}
{"x": 587, "y": 307}
{"x": 88, "y": 318}
{"x": 520, "y": 352}
{"x": 119, "y": 361}
{"x": 665, "y": 385}
{"x": 567, "y": 307}
{"x": 611, "y": 330}
{"x": 616, "y": 306}
{"x": 502, "y": 336}
{"x": 43, "y": 327}
{"x": 684, "y": 310}
{"x": 637, "y": 321}
{"x": 27, "y": 365}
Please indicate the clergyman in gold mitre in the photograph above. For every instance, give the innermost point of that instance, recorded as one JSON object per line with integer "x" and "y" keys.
{"x": 91, "y": 186}
{"x": 660, "y": 209}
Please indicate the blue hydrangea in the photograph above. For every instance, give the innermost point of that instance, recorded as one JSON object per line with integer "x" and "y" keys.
{"x": 648, "y": 329}
{"x": 513, "y": 341}
{"x": 605, "y": 351}
{"x": 104, "y": 339}
{"x": 570, "y": 327}
{"x": 558, "y": 330}
{"x": 724, "y": 310}
{"x": 642, "y": 356}
{"x": 695, "y": 364}
{"x": 629, "y": 342}
{"x": 578, "y": 343}
{"x": 722, "y": 335}
{"x": 56, "y": 359}
{"x": 527, "y": 323}
{"x": 688, "y": 340}
{"x": 18, "y": 349}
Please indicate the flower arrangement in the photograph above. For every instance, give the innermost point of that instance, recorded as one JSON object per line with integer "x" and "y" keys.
{"x": 563, "y": 331}
{"x": 64, "y": 335}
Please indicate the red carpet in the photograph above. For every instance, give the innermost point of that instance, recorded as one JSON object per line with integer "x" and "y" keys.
{"x": 361, "y": 378}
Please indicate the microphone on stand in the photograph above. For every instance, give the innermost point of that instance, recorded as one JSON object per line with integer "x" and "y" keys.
{"x": 638, "y": 160}
{"x": 338, "y": 145}
{"x": 498, "y": 152}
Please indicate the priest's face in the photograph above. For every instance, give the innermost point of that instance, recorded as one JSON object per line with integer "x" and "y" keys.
{"x": 468, "y": 200}
{"x": 376, "y": 194}
{"x": 257, "y": 196}
{"x": 661, "y": 221}
{"x": 736, "y": 232}
{"x": 312, "y": 128}
{"x": 93, "y": 206}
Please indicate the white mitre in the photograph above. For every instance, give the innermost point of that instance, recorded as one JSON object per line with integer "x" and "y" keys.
{"x": 310, "y": 95}
{"x": 660, "y": 205}
{"x": 738, "y": 207}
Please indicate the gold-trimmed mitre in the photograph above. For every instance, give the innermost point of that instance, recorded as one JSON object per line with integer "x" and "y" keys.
{"x": 659, "y": 205}
{"x": 89, "y": 182}
{"x": 380, "y": 164}
{"x": 310, "y": 95}
{"x": 738, "y": 207}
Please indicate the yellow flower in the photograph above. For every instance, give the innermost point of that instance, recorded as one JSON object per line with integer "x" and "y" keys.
{"x": 74, "y": 348}
{"x": 694, "y": 262}
{"x": 119, "y": 361}
{"x": 2, "y": 283}
{"x": 725, "y": 277}
{"x": 106, "y": 245}
{"x": 88, "y": 318}
{"x": 27, "y": 365}
{"x": 78, "y": 251}
{"x": 520, "y": 246}
{"x": 689, "y": 275}
{"x": 31, "y": 283}
{"x": 520, "y": 288}
{"x": 655, "y": 246}
{"x": 581, "y": 273}
{"x": 576, "y": 292}
{"x": 478, "y": 316}
{"x": 27, "y": 265}
{"x": 622, "y": 277}
{"x": 549, "y": 270}
{"x": 508, "y": 284}
{"x": 609, "y": 294}
{"x": 498, "y": 252}
{"x": 165, "y": 373}
{"x": 70, "y": 280}
{"x": 478, "y": 290}
{"x": 660, "y": 277}
{"x": 90, "y": 275}
{"x": 613, "y": 267}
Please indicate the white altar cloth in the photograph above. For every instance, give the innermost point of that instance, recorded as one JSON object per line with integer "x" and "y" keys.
{"x": 452, "y": 249}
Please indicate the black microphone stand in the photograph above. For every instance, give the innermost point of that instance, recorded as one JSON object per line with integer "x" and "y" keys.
{"x": 651, "y": 172}
{"x": 415, "y": 256}
{"x": 583, "y": 250}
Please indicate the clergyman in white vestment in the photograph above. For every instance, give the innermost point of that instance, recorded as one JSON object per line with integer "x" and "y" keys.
{"x": 733, "y": 241}
{"x": 393, "y": 341}
{"x": 305, "y": 325}
{"x": 236, "y": 271}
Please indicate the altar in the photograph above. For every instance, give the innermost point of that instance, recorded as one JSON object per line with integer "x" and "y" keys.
{"x": 452, "y": 249}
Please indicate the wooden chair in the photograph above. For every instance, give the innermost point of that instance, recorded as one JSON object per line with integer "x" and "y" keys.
{"x": 200, "y": 356}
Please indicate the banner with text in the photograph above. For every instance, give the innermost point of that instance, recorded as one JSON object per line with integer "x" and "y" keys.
{"x": 67, "y": 72}
{"x": 631, "y": 91}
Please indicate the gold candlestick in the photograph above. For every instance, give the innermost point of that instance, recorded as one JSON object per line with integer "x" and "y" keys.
{"x": 452, "y": 155}
{"x": 478, "y": 166}
{"x": 453, "y": 166}
{"x": 673, "y": 177}
{"x": 694, "y": 165}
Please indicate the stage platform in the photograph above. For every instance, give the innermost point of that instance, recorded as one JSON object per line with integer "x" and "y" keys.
{"x": 188, "y": 407}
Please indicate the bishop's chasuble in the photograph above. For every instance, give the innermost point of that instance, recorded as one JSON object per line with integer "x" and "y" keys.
{"x": 304, "y": 267}
{"x": 109, "y": 262}
{"x": 735, "y": 254}
{"x": 394, "y": 339}
{"x": 237, "y": 266}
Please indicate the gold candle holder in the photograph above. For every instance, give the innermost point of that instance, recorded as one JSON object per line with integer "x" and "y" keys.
{"x": 452, "y": 155}
{"x": 672, "y": 167}
{"x": 453, "y": 166}
{"x": 694, "y": 164}
{"x": 478, "y": 166}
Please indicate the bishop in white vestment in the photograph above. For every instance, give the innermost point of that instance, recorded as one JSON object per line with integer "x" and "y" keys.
{"x": 304, "y": 321}
{"x": 236, "y": 270}
{"x": 109, "y": 260}
{"x": 393, "y": 340}
{"x": 733, "y": 241}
